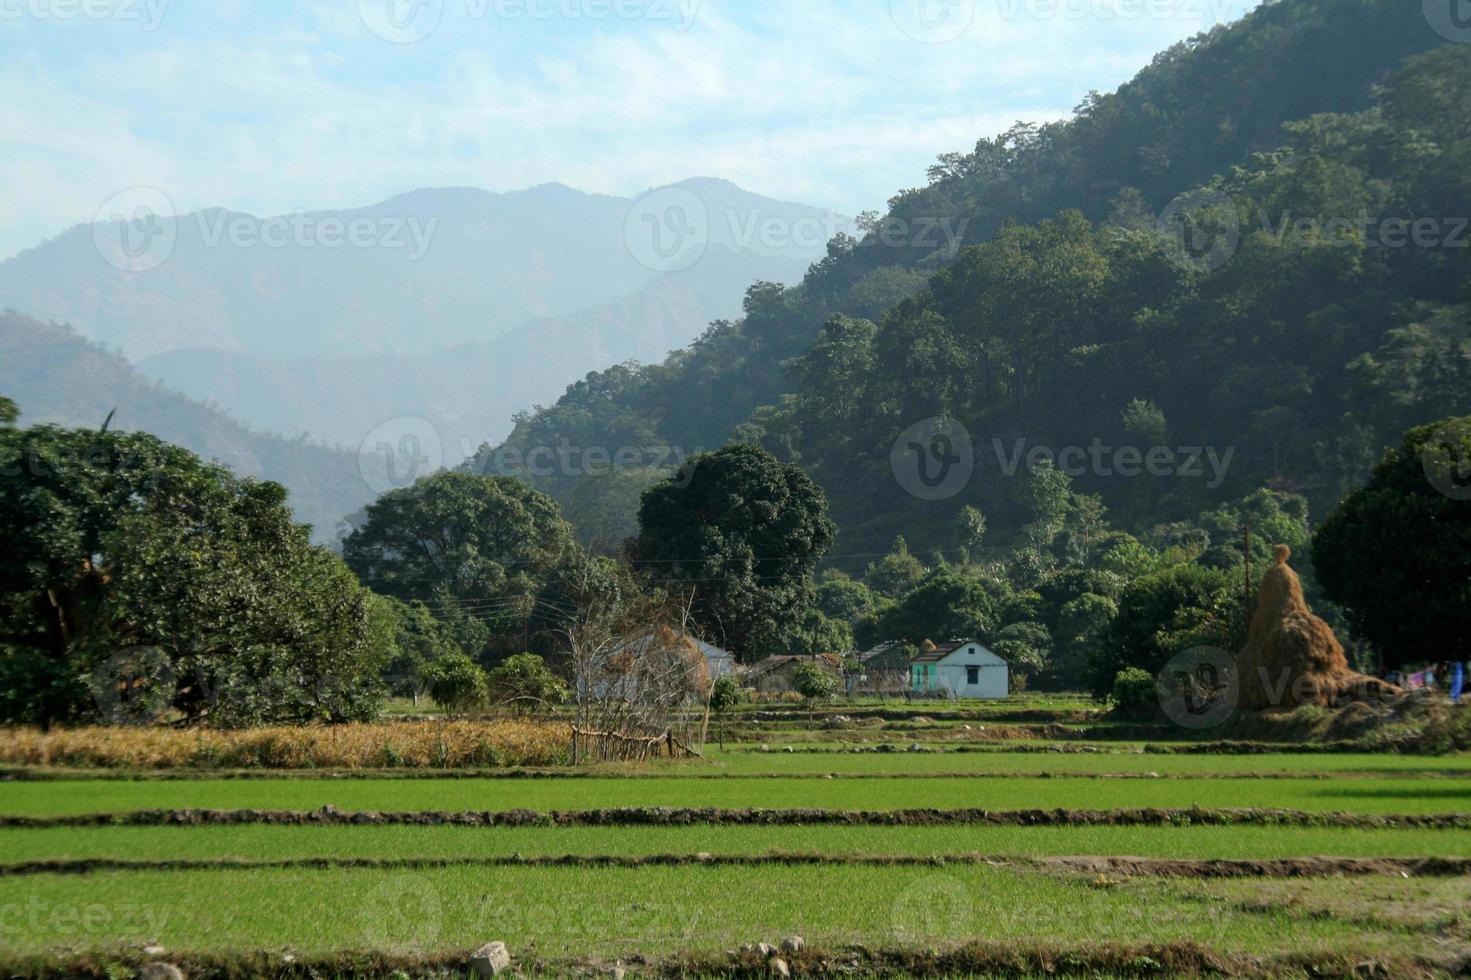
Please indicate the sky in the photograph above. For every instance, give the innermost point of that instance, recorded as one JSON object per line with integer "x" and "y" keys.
{"x": 278, "y": 106}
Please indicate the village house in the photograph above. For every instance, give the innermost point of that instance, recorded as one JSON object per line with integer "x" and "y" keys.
{"x": 776, "y": 675}
{"x": 959, "y": 669}
{"x": 719, "y": 663}
{"x": 882, "y": 670}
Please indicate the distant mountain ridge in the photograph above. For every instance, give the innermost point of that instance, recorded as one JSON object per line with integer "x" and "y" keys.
{"x": 57, "y": 376}
{"x": 432, "y": 268}
{"x": 457, "y": 306}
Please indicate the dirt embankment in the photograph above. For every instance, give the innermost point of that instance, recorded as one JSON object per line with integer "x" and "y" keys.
{"x": 667, "y": 817}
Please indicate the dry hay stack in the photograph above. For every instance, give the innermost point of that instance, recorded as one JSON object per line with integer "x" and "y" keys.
{"x": 1292, "y": 657}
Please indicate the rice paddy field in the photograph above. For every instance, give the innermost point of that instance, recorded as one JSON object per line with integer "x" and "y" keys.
{"x": 915, "y": 848}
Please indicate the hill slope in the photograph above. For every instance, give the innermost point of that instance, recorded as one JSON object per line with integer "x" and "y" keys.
{"x": 1199, "y": 109}
{"x": 56, "y": 376}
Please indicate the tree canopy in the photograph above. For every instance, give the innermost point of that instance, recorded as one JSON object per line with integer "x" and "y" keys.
{"x": 1397, "y": 554}
{"x": 742, "y": 533}
{"x": 138, "y": 580}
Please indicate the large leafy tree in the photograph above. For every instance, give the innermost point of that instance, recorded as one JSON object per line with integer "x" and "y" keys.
{"x": 949, "y": 606}
{"x": 478, "y": 550}
{"x": 742, "y": 533}
{"x": 137, "y": 579}
{"x": 1164, "y": 614}
{"x": 1397, "y": 554}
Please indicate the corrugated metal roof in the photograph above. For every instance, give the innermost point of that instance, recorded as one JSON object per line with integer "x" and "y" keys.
{"x": 941, "y": 651}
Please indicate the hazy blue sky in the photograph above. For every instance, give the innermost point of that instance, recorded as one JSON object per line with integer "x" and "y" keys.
{"x": 273, "y": 106}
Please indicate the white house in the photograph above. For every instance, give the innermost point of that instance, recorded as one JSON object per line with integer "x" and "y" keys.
{"x": 961, "y": 669}
{"x": 720, "y": 663}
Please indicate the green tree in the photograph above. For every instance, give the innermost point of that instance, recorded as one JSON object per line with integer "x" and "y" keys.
{"x": 1164, "y": 614}
{"x": 842, "y": 598}
{"x": 1082, "y": 627}
{"x": 1397, "y": 554}
{"x": 457, "y": 684}
{"x": 419, "y": 640}
{"x": 972, "y": 531}
{"x": 526, "y": 684}
{"x": 948, "y": 606}
{"x": 897, "y": 573}
{"x": 815, "y": 683}
{"x": 132, "y": 566}
{"x": 1026, "y": 646}
{"x": 476, "y": 549}
{"x": 725, "y": 694}
{"x": 742, "y": 533}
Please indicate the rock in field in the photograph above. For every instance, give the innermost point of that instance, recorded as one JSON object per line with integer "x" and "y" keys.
{"x": 491, "y": 960}
{"x": 160, "y": 971}
{"x": 793, "y": 944}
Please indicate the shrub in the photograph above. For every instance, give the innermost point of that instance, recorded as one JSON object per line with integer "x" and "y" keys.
{"x": 1134, "y": 694}
{"x": 457, "y": 683}
{"x": 525, "y": 683}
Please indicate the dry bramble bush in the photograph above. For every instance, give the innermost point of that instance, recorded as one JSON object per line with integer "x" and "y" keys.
{"x": 413, "y": 745}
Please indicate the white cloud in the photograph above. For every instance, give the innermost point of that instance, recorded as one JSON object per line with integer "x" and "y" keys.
{"x": 823, "y": 101}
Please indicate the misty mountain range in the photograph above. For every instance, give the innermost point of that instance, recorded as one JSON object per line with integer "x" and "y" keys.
{"x": 458, "y": 307}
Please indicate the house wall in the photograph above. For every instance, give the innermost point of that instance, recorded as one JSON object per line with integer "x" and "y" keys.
{"x": 951, "y": 675}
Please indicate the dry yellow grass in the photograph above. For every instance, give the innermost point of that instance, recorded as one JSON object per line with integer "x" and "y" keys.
{"x": 410, "y": 745}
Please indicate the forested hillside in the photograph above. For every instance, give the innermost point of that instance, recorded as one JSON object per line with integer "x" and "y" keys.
{"x": 1077, "y": 321}
{"x": 56, "y": 376}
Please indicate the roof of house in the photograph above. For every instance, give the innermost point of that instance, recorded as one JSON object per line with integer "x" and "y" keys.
{"x": 713, "y": 652}
{"x": 769, "y": 664}
{"x": 940, "y": 651}
{"x": 882, "y": 650}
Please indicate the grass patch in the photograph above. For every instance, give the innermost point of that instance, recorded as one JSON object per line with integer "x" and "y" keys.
{"x": 1100, "y": 763}
{"x": 267, "y": 843}
{"x": 1388, "y": 795}
{"x": 579, "y": 912}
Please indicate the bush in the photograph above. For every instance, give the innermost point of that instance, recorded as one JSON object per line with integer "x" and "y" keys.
{"x": 457, "y": 684}
{"x": 525, "y": 683}
{"x": 1134, "y": 694}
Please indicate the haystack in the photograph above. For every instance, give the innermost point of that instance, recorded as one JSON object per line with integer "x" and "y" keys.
{"x": 1292, "y": 657}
